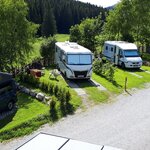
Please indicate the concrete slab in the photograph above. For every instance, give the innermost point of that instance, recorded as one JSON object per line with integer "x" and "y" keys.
{"x": 98, "y": 85}
{"x": 79, "y": 90}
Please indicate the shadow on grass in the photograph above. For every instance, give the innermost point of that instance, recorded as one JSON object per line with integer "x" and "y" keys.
{"x": 132, "y": 69}
{"x": 54, "y": 79}
{"x": 116, "y": 84}
{"x": 85, "y": 83}
{"x": 24, "y": 100}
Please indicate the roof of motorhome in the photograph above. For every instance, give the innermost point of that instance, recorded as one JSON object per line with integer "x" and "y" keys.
{"x": 71, "y": 47}
{"x": 122, "y": 44}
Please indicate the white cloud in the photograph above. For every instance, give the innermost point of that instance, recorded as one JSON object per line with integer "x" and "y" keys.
{"x": 103, "y": 3}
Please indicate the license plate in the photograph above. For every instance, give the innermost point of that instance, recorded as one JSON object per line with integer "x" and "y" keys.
{"x": 80, "y": 76}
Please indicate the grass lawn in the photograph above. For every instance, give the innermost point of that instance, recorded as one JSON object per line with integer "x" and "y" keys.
{"x": 120, "y": 76}
{"x": 62, "y": 37}
{"x": 146, "y": 68}
{"x": 31, "y": 114}
{"x": 75, "y": 99}
{"x": 108, "y": 85}
{"x": 27, "y": 118}
{"x": 35, "y": 53}
{"x": 93, "y": 92}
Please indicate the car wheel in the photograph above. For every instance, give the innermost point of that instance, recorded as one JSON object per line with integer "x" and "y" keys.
{"x": 10, "y": 105}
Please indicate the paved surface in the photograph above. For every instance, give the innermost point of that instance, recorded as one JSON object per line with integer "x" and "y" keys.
{"x": 123, "y": 123}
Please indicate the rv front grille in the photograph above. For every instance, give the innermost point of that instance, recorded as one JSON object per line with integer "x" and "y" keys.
{"x": 135, "y": 62}
{"x": 80, "y": 74}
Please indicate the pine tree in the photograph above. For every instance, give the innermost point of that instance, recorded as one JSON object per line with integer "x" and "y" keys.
{"x": 48, "y": 27}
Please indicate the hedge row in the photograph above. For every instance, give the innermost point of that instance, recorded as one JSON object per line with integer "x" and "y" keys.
{"x": 62, "y": 95}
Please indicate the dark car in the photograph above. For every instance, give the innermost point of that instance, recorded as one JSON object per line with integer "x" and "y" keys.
{"x": 8, "y": 95}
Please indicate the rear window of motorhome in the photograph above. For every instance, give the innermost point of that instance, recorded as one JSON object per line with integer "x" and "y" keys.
{"x": 131, "y": 53}
{"x": 79, "y": 59}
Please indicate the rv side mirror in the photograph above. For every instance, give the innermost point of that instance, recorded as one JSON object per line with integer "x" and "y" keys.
{"x": 121, "y": 56}
{"x": 93, "y": 57}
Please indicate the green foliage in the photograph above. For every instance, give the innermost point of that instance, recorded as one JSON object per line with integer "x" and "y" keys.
{"x": 48, "y": 27}
{"x": 48, "y": 50}
{"x": 24, "y": 121}
{"x": 85, "y": 33}
{"x": 66, "y": 13}
{"x": 106, "y": 70}
{"x": 146, "y": 56}
{"x": 16, "y": 33}
{"x": 53, "y": 110}
{"x": 129, "y": 21}
{"x": 75, "y": 33}
{"x": 56, "y": 89}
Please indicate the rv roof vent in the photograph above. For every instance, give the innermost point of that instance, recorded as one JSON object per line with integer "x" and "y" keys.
{"x": 74, "y": 45}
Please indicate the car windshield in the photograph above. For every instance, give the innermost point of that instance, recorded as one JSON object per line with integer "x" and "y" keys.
{"x": 79, "y": 59}
{"x": 131, "y": 53}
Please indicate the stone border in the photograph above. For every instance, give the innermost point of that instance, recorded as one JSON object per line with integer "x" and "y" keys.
{"x": 39, "y": 96}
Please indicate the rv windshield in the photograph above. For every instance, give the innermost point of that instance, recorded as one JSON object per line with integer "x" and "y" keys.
{"x": 79, "y": 59}
{"x": 131, "y": 53}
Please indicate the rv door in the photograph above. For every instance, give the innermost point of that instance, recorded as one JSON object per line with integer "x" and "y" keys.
{"x": 116, "y": 55}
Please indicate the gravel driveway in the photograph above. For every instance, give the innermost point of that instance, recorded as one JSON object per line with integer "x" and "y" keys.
{"x": 123, "y": 123}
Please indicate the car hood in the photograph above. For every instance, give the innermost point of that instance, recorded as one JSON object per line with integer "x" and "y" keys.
{"x": 133, "y": 59}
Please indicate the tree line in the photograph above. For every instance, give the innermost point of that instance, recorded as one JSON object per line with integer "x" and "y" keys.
{"x": 128, "y": 21}
{"x": 59, "y": 15}
{"x": 21, "y": 20}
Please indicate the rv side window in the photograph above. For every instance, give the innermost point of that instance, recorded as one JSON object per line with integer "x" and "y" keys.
{"x": 112, "y": 49}
{"x": 56, "y": 49}
{"x": 106, "y": 47}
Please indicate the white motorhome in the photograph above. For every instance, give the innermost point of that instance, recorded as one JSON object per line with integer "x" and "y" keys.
{"x": 73, "y": 60}
{"x": 123, "y": 54}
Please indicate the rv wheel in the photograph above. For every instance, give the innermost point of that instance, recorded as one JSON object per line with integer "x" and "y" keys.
{"x": 10, "y": 105}
{"x": 122, "y": 65}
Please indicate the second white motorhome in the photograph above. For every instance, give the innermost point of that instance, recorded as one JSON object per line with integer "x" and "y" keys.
{"x": 73, "y": 60}
{"x": 123, "y": 54}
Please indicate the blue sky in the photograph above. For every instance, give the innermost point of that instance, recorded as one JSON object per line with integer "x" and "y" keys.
{"x": 103, "y": 3}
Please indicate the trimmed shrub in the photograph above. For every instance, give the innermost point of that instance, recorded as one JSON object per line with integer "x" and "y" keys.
{"x": 56, "y": 89}
{"x": 53, "y": 110}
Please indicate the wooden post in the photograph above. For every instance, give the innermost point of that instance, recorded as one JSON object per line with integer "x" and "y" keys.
{"x": 125, "y": 87}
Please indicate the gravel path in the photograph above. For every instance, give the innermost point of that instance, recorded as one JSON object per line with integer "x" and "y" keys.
{"x": 123, "y": 123}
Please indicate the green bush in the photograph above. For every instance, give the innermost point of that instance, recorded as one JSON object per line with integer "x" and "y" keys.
{"x": 146, "y": 56}
{"x": 53, "y": 110}
{"x": 56, "y": 89}
{"x": 62, "y": 96}
{"x": 104, "y": 69}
